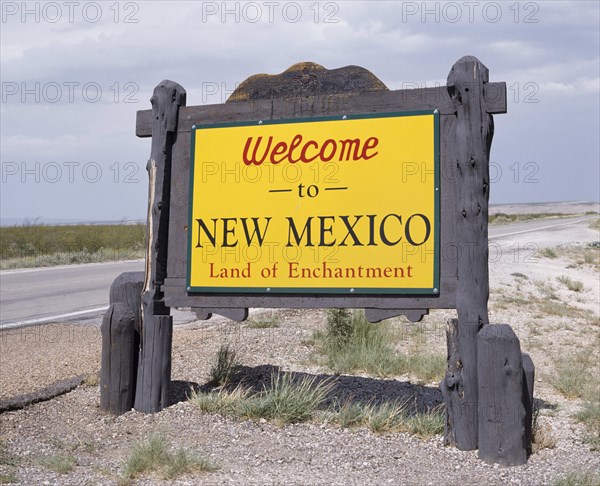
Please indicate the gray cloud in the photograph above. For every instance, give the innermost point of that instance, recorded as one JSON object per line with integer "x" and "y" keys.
{"x": 547, "y": 52}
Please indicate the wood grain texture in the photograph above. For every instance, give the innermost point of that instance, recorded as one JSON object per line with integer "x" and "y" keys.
{"x": 528, "y": 382}
{"x": 119, "y": 359}
{"x": 233, "y": 313}
{"x": 324, "y": 105}
{"x": 166, "y": 100}
{"x": 307, "y": 106}
{"x": 127, "y": 288}
{"x": 309, "y": 90}
{"x": 43, "y": 394}
{"x": 502, "y": 436}
{"x": 472, "y": 135}
{"x": 120, "y": 343}
{"x": 154, "y": 369}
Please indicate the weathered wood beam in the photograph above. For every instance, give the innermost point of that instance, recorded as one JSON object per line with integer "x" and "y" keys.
{"x": 472, "y": 132}
{"x": 494, "y": 101}
{"x": 529, "y": 380}
{"x": 120, "y": 343}
{"x": 119, "y": 359}
{"x": 502, "y": 386}
{"x": 154, "y": 370}
{"x": 128, "y": 288}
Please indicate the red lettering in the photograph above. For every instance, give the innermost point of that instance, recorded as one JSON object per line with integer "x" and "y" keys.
{"x": 254, "y": 160}
{"x": 350, "y": 149}
{"x": 370, "y": 143}
{"x": 331, "y": 142}
{"x": 296, "y": 141}
{"x": 279, "y": 149}
{"x": 303, "y": 157}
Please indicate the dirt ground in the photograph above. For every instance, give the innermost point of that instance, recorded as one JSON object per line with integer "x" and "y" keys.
{"x": 529, "y": 289}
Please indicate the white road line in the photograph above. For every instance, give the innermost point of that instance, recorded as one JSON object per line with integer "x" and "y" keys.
{"x": 58, "y": 317}
{"x": 12, "y": 325}
{"x": 64, "y": 267}
{"x": 531, "y": 230}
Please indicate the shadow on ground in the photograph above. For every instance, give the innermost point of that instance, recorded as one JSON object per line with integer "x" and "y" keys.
{"x": 351, "y": 389}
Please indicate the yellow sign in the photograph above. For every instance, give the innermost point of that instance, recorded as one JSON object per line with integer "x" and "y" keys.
{"x": 344, "y": 205}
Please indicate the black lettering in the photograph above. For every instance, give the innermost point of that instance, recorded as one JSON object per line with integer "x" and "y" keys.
{"x": 324, "y": 230}
{"x": 227, "y": 231}
{"x": 212, "y": 237}
{"x": 407, "y": 232}
{"x": 260, "y": 237}
{"x": 298, "y": 238}
{"x": 382, "y": 234}
{"x": 350, "y": 232}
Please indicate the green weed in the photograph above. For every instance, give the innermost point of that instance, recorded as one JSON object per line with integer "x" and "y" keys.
{"x": 548, "y": 253}
{"x": 61, "y": 464}
{"x": 520, "y": 275}
{"x": 225, "y": 367}
{"x": 35, "y": 245}
{"x": 154, "y": 456}
{"x": 358, "y": 345}
{"x": 284, "y": 401}
{"x": 560, "y": 309}
{"x": 573, "y": 285}
{"x": 263, "y": 322}
{"x": 572, "y": 376}
{"x": 589, "y": 415}
{"x": 339, "y": 327}
{"x": 390, "y": 417}
{"x": 287, "y": 401}
{"x": 579, "y": 478}
{"x": 503, "y": 218}
{"x": 427, "y": 424}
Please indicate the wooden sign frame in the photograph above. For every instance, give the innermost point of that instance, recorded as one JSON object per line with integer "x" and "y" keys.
{"x": 491, "y": 97}
{"x": 473, "y": 382}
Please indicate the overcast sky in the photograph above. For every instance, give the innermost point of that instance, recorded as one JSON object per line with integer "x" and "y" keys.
{"x": 75, "y": 73}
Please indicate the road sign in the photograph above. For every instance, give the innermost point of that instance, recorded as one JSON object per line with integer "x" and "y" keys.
{"x": 332, "y": 205}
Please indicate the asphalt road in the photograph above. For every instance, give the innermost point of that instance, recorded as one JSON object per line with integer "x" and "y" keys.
{"x": 80, "y": 292}
{"x": 58, "y": 294}
{"x": 504, "y": 231}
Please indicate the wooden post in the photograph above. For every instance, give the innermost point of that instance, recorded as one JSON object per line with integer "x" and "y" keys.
{"x": 120, "y": 344}
{"x": 502, "y": 386}
{"x": 528, "y": 381}
{"x": 119, "y": 359}
{"x": 472, "y": 129}
{"x": 127, "y": 288}
{"x": 154, "y": 370}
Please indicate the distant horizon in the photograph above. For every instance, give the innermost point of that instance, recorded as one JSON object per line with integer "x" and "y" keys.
{"x": 40, "y": 220}
{"x": 69, "y": 103}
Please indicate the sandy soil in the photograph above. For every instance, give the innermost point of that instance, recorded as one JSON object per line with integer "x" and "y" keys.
{"x": 528, "y": 291}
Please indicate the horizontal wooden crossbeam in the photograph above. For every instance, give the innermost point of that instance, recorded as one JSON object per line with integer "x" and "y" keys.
{"x": 328, "y": 105}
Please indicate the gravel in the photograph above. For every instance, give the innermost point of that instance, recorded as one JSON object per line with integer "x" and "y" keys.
{"x": 261, "y": 453}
